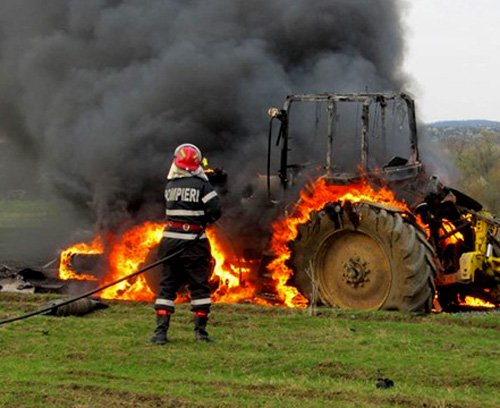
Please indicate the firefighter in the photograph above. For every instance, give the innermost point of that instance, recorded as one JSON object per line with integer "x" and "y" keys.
{"x": 191, "y": 205}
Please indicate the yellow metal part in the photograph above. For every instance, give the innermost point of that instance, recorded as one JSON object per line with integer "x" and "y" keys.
{"x": 481, "y": 230}
{"x": 481, "y": 260}
{"x": 470, "y": 263}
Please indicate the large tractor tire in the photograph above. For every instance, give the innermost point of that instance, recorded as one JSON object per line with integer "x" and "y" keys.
{"x": 367, "y": 258}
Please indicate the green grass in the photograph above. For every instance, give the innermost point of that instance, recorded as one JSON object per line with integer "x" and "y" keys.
{"x": 25, "y": 213}
{"x": 33, "y": 231}
{"x": 263, "y": 357}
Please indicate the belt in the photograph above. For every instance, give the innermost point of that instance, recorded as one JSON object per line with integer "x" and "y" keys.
{"x": 184, "y": 226}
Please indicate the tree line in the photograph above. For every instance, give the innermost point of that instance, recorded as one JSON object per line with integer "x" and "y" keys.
{"x": 476, "y": 158}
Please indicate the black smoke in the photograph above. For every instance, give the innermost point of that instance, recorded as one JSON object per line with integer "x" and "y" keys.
{"x": 98, "y": 93}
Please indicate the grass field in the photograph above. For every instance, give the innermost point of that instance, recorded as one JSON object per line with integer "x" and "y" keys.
{"x": 22, "y": 213}
{"x": 263, "y": 357}
{"x": 31, "y": 231}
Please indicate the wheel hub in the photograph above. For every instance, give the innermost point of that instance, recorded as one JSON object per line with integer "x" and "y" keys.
{"x": 356, "y": 272}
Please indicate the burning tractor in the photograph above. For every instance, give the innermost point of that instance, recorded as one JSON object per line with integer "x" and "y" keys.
{"x": 383, "y": 235}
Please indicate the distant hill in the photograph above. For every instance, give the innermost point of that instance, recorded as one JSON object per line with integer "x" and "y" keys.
{"x": 460, "y": 128}
{"x": 475, "y": 123}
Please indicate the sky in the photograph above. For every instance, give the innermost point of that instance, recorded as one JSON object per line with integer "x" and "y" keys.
{"x": 453, "y": 56}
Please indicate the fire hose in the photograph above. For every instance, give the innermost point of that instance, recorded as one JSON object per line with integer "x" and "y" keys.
{"x": 100, "y": 288}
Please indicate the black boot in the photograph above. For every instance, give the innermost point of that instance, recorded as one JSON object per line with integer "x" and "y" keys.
{"x": 200, "y": 328}
{"x": 160, "y": 334}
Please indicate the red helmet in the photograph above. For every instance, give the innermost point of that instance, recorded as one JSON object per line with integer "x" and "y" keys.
{"x": 187, "y": 157}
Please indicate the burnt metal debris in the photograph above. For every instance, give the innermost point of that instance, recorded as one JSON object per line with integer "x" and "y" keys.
{"x": 28, "y": 280}
{"x": 34, "y": 281}
{"x": 11, "y": 281}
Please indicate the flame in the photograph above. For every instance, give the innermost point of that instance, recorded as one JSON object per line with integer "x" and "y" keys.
{"x": 314, "y": 198}
{"x": 448, "y": 227}
{"x": 65, "y": 269}
{"x": 232, "y": 277}
{"x": 476, "y": 302}
{"x": 129, "y": 251}
{"x": 127, "y": 255}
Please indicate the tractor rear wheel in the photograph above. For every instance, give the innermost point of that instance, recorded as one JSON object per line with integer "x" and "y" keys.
{"x": 372, "y": 259}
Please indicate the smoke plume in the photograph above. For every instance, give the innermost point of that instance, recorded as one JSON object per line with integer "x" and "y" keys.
{"x": 98, "y": 93}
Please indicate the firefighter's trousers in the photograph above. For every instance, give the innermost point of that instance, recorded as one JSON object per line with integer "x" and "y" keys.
{"x": 192, "y": 267}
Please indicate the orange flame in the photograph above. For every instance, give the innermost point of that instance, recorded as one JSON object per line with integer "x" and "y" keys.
{"x": 129, "y": 251}
{"x": 314, "y": 198}
{"x": 232, "y": 277}
{"x": 448, "y": 227}
{"x": 127, "y": 255}
{"x": 65, "y": 268}
{"x": 476, "y": 302}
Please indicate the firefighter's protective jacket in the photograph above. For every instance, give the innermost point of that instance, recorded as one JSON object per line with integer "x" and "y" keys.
{"x": 191, "y": 204}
